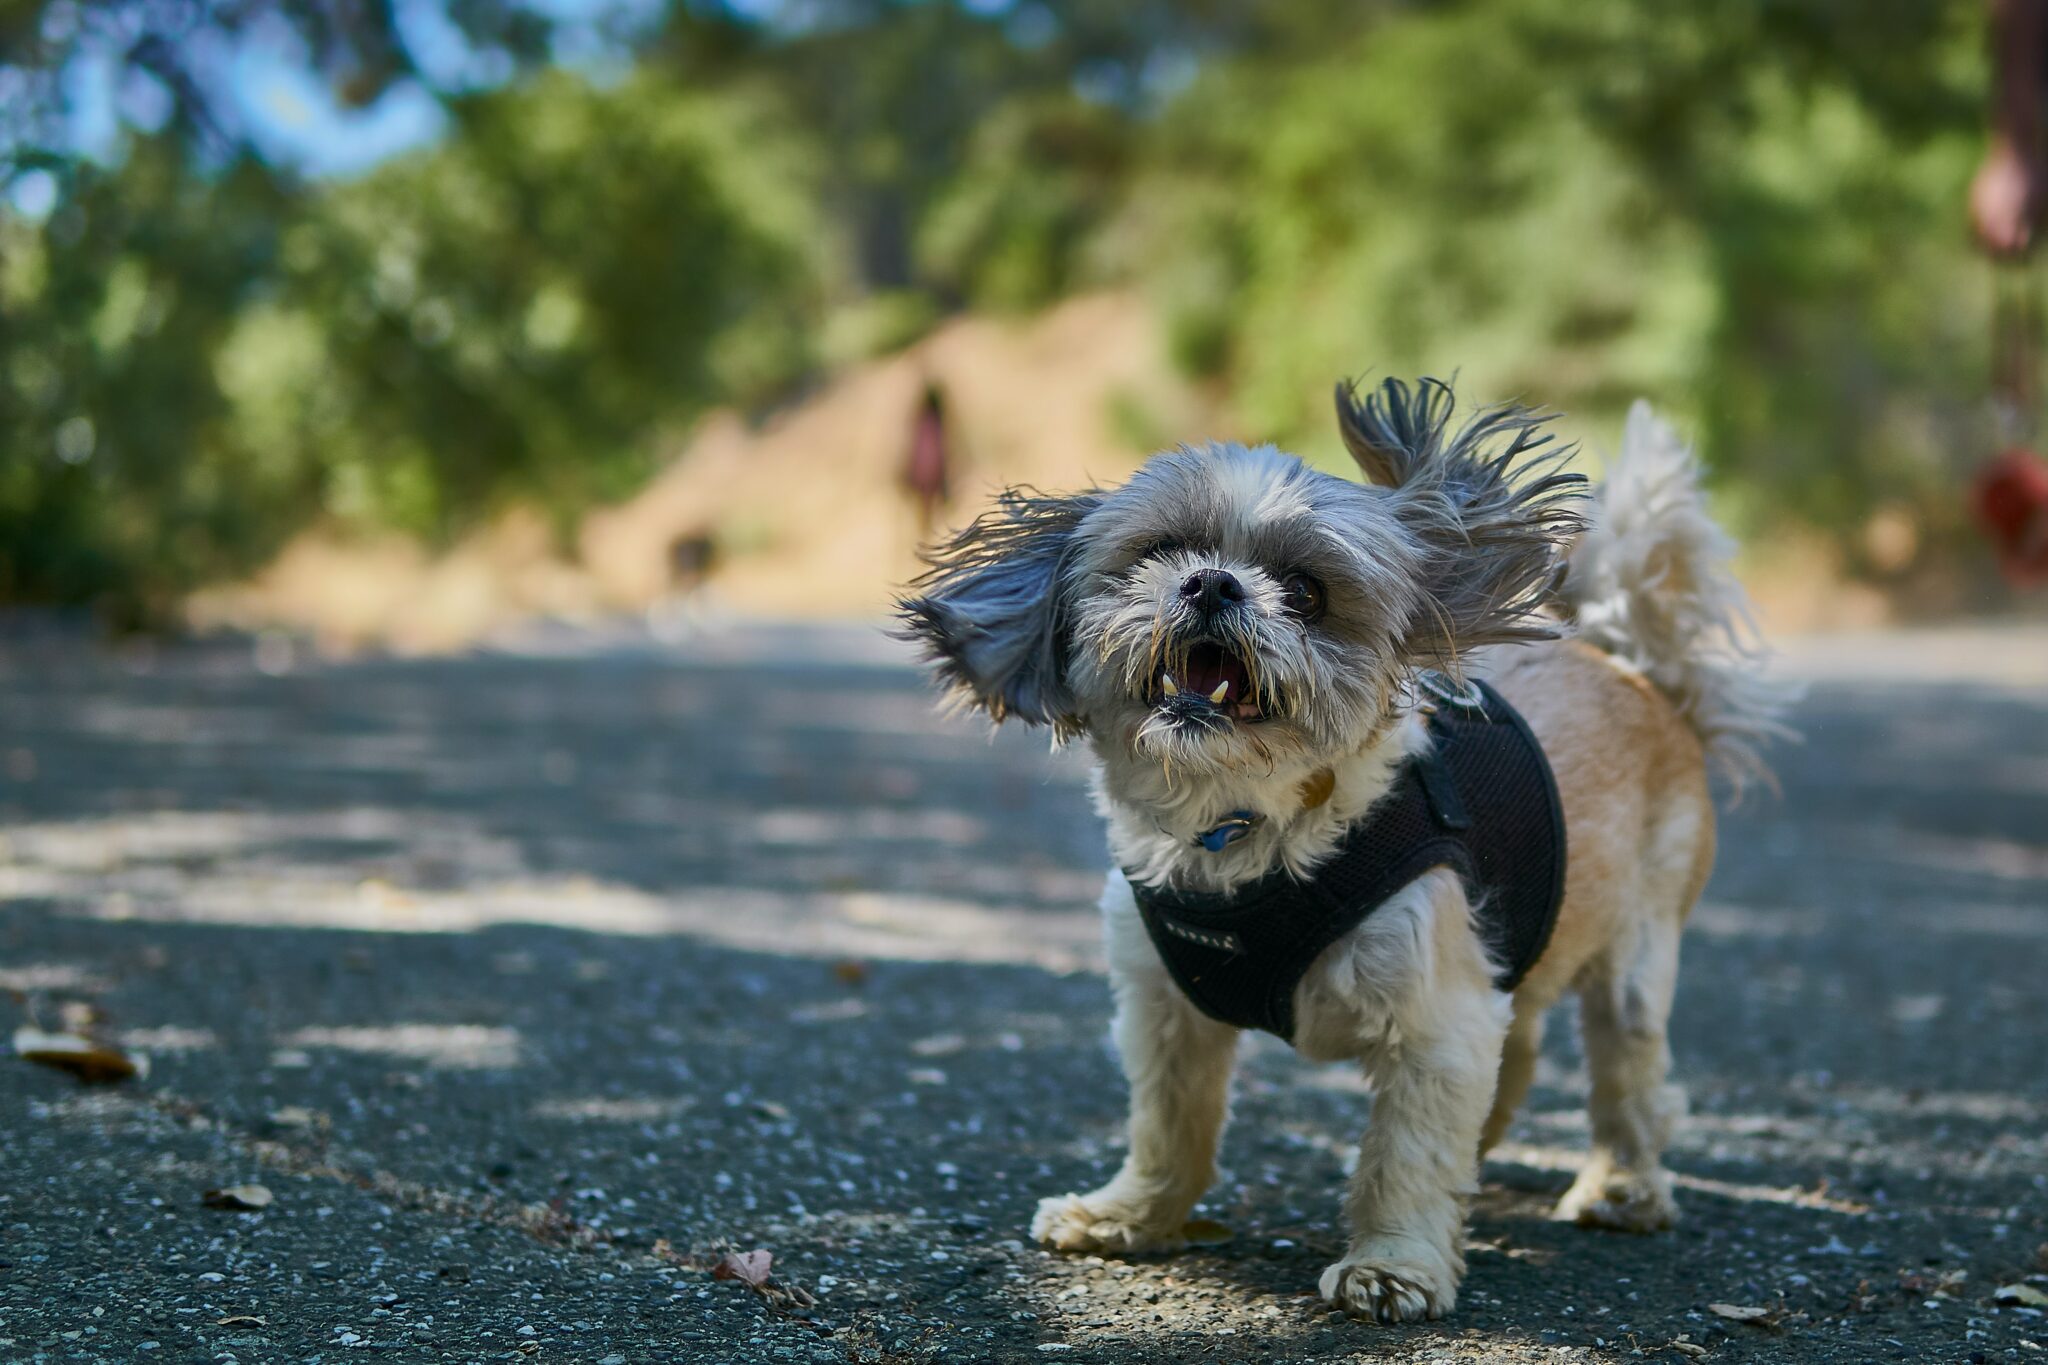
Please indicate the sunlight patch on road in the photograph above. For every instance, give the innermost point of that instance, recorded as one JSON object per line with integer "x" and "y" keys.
{"x": 609, "y": 1109}
{"x": 33, "y": 977}
{"x": 445, "y": 1047}
{"x": 1719, "y": 919}
{"x": 881, "y": 926}
{"x": 1562, "y": 1159}
{"x": 168, "y": 1038}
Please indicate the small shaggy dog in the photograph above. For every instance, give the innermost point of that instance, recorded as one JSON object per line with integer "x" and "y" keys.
{"x": 1388, "y": 768}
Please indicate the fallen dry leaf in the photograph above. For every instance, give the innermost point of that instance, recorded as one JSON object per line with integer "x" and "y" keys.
{"x": 2020, "y": 1296}
{"x": 1689, "y": 1348}
{"x": 240, "y": 1320}
{"x": 750, "y": 1267}
{"x": 850, "y": 972}
{"x": 1759, "y": 1317}
{"x": 94, "y": 1063}
{"x": 1205, "y": 1232}
{"x": 239, "y": 1198}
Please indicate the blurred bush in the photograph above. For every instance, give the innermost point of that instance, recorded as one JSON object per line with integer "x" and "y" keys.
{"x": 1751, "y": 212}
{"x": 193, "y": 366}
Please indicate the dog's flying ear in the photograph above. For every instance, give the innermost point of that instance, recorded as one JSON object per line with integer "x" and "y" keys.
{"x": 991, "y": 610}
{"x": 1486, "y": 501}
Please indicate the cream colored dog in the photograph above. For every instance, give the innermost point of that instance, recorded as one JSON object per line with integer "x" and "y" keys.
{"x": 1240, "y": 640}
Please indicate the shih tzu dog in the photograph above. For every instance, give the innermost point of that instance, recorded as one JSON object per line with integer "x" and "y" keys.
{"x": 1388, "y": 768}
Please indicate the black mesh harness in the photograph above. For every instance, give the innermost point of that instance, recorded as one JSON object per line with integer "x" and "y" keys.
{"x": 1481, "y": 800}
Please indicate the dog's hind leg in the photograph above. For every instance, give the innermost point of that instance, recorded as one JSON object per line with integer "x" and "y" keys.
{"x": 1178, "y": 1062}
{"x": 1517, "y": 1069}
{"x": 1624, "y": 1006}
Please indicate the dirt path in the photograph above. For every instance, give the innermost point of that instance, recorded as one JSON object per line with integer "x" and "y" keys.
{"x": 532, "y": 982}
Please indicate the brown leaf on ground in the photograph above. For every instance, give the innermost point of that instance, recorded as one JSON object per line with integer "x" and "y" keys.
{"x": 2019, "y": 1296}
{"x": 1743, "y": 1313}
{"x": 849, "y": 971}
{"x": 239, "y": 1198}
{"x": 93, "y": 1062}
{"x": 754, "y": 1269}
{"x": 1919, "y": 1286}
{"x": 749, "y": 1267}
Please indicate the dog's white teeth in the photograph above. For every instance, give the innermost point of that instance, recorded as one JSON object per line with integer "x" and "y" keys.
{"x": 1166, "y": 685}
{"x": 1222, "y": 691}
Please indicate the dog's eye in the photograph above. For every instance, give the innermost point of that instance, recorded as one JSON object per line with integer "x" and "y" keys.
{"x": 1161, "y": 547}
{"x": 1302, "y": 596}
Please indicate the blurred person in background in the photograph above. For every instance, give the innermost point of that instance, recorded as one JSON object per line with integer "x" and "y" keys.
{"x": 680, "y": 612}
{"x": 2006, "y": 204}
{"x": 925, "y": 467}
{"x": 2006, "y": 196}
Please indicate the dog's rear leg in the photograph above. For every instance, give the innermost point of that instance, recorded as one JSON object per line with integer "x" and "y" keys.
{"x": 1178, "y": 1062}
{"x": 1624, "y": 1006}
{"x": 1517, "y": 1069}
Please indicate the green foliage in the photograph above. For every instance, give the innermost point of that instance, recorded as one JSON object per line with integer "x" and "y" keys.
{"x": 194, "y": 367}
{"x": 1008, "y": 232}
{"x": 508, "y": 316}
{"x": 121, "y": 477}
{"x": 1751, "y": 213}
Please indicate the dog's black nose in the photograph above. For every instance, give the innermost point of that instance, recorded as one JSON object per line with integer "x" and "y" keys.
{"x": 1212, "y": 589}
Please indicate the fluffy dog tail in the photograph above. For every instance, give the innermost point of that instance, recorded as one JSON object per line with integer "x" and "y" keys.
{"x": 1650, "y": 583}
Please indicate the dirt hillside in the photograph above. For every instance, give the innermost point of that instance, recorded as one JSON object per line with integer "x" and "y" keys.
{"x": 803, "y": 512}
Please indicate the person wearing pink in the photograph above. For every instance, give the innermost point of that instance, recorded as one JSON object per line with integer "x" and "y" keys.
{"x": 925, "y": 475}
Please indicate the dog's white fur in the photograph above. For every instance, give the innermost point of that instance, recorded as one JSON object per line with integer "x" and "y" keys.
{"x": 1662, "y": 679}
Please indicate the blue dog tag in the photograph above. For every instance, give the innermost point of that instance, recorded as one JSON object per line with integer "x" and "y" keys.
{"x": 1229, "y": 832}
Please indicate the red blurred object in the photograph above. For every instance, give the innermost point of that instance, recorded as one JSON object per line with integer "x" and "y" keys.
{"x": 2010, "y": 499}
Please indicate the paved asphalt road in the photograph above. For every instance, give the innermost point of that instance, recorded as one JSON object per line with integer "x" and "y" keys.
{"x": 532, "y": 982}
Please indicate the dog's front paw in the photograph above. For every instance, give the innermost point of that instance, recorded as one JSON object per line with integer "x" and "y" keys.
{"x": 1390, "y": 1288}
{"x": 1075, "y": 1222}
{"x": 1619, "y": 1202}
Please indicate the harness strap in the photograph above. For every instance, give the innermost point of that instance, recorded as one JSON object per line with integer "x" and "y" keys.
{"x": 1480, "y": 801}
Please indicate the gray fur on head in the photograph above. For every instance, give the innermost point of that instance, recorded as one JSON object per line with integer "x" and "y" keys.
{"x": 1489, "y": 503}
{"x": 989, "y": 613}
{"x": 1075, "y": 611}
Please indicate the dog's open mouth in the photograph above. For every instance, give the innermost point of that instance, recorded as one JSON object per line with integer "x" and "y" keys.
{"x": 1211, "y": 682}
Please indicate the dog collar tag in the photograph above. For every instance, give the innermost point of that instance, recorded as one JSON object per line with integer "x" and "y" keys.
{"x": 1238, "y": 824}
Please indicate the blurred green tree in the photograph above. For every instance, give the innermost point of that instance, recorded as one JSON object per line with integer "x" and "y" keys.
{"x": 121, "y": 479}
{"x": 192, "y": 365}
{"x": 508, "y": 316}
{"x": 1751, "y": 213}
